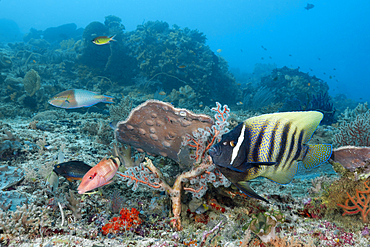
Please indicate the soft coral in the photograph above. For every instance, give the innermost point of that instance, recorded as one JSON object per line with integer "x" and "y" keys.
{"x": 124, "y": 222}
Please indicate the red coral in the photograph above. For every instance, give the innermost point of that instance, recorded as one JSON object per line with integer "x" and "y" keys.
{"x": 124, "y": 222}
{"x": 360, "y": 204}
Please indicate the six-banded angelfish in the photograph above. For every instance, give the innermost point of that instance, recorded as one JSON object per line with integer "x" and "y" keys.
{"x": 103, "y": 40}
{"x": 269, "y": 146}
{"x": 76, "y": 98}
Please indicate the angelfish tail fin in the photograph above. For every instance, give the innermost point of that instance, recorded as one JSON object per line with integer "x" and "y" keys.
{"x": 316, "y": 155}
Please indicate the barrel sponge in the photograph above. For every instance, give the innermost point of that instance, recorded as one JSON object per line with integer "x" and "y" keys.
{"x": 31, "y": 82}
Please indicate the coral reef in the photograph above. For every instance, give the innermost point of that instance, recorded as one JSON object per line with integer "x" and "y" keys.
{"x": 286, "y": 89}
{"x": 11, "y": 199}
{"x": 10, "y": 176}
{"x": 31, "y": 82}
{"x": 354, "y": 131}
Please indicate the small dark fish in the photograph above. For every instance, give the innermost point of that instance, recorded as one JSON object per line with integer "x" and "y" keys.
{"x": 270, "y": 146}
{"x": 276, "y": 78}
{"x": 270, "y": 57}
{"x": 334, "y": 69}
{"x": 72, "y": 170}
{"x": 330, "y": 77}
{"x": 263, "y": 47}
{"x": 262, "y": 58}
{"x": 309, "y": 6}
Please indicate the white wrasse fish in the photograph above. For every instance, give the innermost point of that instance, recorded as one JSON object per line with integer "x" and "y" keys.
{"x": 269, "y": 146}
{"x": 76, "y": 98}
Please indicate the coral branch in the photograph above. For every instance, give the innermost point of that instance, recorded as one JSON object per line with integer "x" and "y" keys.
{"x": 153, "y": 178}
{"x": 360, "y": 203}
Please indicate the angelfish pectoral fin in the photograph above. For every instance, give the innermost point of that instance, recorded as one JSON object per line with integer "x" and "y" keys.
{"x": 316, "y": 155}
{"x": 244, "y": 187}
{"x": 248, "y": 165}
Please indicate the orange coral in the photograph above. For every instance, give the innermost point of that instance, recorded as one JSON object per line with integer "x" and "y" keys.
{"x": 124, "y": 222}
{"x": 361, "y": 204}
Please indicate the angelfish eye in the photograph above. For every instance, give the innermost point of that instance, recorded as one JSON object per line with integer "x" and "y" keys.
{"x": 232, "y": 143}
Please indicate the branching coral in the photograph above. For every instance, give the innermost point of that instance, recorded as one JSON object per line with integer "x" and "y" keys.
{"x": 200, "y": 172}
{"x": 361, "y": 203}
{"x": 26, "y": 219}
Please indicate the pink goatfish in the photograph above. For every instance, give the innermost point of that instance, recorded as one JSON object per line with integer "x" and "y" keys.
{"x": 76, "y": 98}
{"x": 99, "y": 175}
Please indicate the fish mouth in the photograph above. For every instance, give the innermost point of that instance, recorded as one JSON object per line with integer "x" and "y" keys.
{"x": 214, "y": 151}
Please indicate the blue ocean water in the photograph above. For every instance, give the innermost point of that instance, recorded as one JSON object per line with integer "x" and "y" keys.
{"x": 330, "y": 40}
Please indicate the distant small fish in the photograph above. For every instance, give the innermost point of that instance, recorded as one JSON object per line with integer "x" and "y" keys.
{"x": 76, "y": 98}
{"x": 219, "y": 50}
{"x": 202, "y": 209}
{"x": 308, "y": 84}
{"x": 103, "y": 40}
{"x": 290, "y": 55}
{"x": 319, "y": 58}
{"x": 270, "y": 57}
{"x": 330, "y": 77}
{"x": 162, "y": 93}
{"x": 72, "y": 170}
{"x": 181, "y": 66}
{"x": 263, "y": 48}
{"x": 334, "y": 69}
{"x": 262, "y": 58}
{"x": 239, "y": 103}
{"x": 309, "y": 6}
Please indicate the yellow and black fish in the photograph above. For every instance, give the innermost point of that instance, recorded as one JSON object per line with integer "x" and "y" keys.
{"x": 269, "y": 146}
{"x": 72, "y": 170}
{"x": 103, "y": 40}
